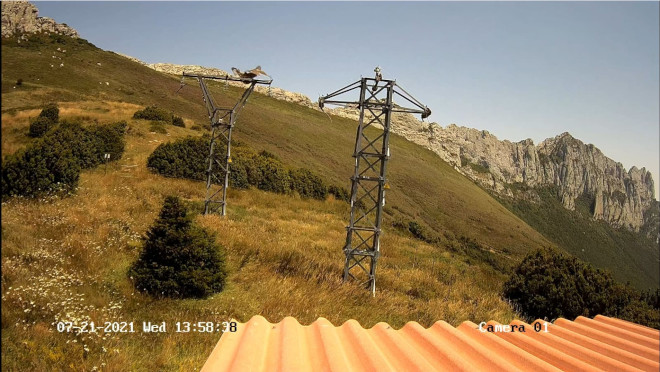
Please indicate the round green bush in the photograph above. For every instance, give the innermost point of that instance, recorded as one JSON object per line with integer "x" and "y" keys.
{"x": 273, "y": 176}
{"x": 179, "y": 258}
{"x": 183, "y": 158}
{"x": 47, "y": 165}
{"x": 153, "y": 113}
{"x": 549, "y": 284}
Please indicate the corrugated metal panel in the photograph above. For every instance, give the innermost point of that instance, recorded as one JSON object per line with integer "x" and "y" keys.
{"x": 599, "y": 344}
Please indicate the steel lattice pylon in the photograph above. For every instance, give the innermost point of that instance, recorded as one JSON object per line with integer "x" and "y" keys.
{"x": 222, "y": 123}
{"x": 376, "y": 105}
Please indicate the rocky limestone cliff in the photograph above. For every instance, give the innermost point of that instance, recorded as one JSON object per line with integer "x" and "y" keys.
{"x": 617, "y": 196}
{"x": 21, "y": 17}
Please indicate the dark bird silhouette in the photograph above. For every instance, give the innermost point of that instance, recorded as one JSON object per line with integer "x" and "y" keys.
{"x": 250, "y": 74}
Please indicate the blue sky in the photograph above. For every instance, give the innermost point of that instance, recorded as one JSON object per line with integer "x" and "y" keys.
{"x": 517, "y": 69}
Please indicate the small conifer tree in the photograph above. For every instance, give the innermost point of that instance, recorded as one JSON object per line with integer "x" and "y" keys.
{"x": 179, "y": 258}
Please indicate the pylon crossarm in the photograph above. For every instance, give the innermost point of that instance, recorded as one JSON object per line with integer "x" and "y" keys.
{"x": 339, "y": 103}
{"x": 227, "y": 78}
{"x": 409, "y": 111}
{"x": 343, "y": 90}
{"x": 407, "y": 96}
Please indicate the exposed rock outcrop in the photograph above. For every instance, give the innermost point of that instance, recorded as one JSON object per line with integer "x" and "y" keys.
{"x": 617, "y": 195}
{"x": 21, "y": 17}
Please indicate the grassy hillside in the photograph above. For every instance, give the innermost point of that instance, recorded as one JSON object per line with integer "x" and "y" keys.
{"x": 424, "y": 187}
{"x": 630, "y": 257}
{"x": 67, "y": 258}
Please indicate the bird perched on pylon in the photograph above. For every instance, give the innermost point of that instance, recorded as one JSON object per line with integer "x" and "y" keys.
{"x": 379, "y": 77}
{"x": 250, "y": 74}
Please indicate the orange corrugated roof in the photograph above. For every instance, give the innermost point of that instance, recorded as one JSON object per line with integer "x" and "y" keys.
{"x": 599, "y": 344}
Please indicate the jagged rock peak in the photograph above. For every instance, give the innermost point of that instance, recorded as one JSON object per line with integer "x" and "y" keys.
{"x": 578, "y": 170}
{"x": 22, "y": 17}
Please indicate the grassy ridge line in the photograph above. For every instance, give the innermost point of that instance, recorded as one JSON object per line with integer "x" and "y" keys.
{"x": 424, "y": 187}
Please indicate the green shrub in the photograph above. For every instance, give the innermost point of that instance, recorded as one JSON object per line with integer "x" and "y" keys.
{"x": 40, "y": 126}
{"x": 48, "y": 165}
{"x": 158, "y": 127}
{"x": 160, "y": 116}
{"x": 153, "y": 113}
{"x": 196, "y": 127}
{"x": 187, "y": 158}
{"x": 52, "y": 112}
{"x": 109, "y": 139}
{"x": 54, "y": 162}
{"x": 46, "y": 120}
{"x": 308, "y": 184}
{"x": 183, "y": 158}
{"x": 177, "y": 121}
{"x": 179, "y": 258}
{"x": 417, "y": 230}
{"x": 268, "y": 155}
{"x": 339, "y": 193}
{"x": 549, "y": 284}
{"x": 272, "y": 176}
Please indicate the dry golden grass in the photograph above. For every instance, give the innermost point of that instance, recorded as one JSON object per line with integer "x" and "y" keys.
{"x": 67, "y": 259}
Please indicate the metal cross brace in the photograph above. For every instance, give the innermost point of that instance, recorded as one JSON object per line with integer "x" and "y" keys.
{"x": 371, "y": 152}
